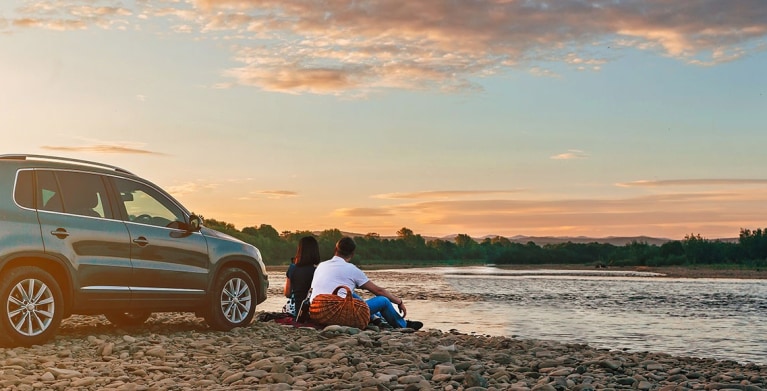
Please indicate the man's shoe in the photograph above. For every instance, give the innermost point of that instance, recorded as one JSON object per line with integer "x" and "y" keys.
{"x": 380, "y": 323}
{"x": 413, "y": 324}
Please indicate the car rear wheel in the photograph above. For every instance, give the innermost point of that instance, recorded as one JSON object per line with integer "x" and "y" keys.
{"x": 232, "y": 302}
{"x": 33, "y": 306}
{"x": 128, "y": 319}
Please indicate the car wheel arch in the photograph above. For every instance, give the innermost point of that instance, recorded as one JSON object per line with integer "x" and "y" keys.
{"x": 248, "y": 266}
{"x": 53, "y": 266}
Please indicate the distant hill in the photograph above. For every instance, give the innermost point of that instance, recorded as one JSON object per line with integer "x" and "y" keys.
{"x": 544, "y": 240}
{"x": 614, "y": 240}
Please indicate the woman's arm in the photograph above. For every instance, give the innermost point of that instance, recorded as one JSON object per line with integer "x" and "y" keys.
{"x": 286, "y": 291}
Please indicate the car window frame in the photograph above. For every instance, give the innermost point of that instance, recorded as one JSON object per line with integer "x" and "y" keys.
{"x": 32, "y": 190}
{"x": 123, "y": 212}
{"x": 106, "y": 196}
{"x": 65, "y": 192}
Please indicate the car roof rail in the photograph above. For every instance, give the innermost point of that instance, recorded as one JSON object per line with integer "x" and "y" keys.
{"x": 63, "y": 159}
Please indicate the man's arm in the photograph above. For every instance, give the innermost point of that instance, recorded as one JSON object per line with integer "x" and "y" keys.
{"x": 379, "y": 291}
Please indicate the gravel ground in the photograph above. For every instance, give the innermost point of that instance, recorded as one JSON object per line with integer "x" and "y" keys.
{"x": 178, "y": 352}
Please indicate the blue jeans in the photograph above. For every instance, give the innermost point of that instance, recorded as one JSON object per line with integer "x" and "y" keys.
{"x": 381, "y": 306}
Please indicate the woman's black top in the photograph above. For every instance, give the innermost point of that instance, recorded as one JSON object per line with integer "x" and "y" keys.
{"x": 300, "y": 281}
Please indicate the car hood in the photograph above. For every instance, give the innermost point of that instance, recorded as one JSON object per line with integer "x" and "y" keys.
{"x": 223, "y": 244}
{"x": 216, "y": 234}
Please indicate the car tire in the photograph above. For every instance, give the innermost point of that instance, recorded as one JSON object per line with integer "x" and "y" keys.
{"x": 232, "y": 301}
{"x": 32, "y": 306}
{"x": 128, "y": 319}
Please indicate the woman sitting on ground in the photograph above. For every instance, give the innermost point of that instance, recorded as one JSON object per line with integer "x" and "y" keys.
{"x": 301, "y": 272}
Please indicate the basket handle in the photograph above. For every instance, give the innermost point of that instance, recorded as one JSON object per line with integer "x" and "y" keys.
{"x": 348, "y": 292}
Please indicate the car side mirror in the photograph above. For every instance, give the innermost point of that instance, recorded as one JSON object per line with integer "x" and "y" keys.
{"x": 195, "y": 222}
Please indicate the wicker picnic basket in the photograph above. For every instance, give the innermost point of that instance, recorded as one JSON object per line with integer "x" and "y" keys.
{"x": 330, "y": 309}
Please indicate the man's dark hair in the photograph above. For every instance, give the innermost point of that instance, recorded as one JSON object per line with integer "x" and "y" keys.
{"x": 345, "y": 247}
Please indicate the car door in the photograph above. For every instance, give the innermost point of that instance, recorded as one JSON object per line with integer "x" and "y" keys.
{"x": 80, "y": 228}
{"x": 170, "y": 263}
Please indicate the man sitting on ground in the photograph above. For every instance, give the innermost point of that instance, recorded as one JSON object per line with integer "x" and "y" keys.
{"x": 340, "y": 271}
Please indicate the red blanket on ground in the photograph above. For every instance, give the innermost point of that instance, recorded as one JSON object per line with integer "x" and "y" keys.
{"x": 286, "y": 319}
{"x": 292, "y": 322}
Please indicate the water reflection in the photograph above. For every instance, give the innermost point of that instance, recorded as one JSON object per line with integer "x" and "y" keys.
{"x": 719, "y": 318}
{"x": 724, "y": 319}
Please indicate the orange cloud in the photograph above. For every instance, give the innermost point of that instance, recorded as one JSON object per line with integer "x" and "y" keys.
{"x": 443, "y": 194}
{"x": 335, "y": 47}
{"x": 672, "y": 215}
{"x": 693, "y": 182}
{"x": 277, "y": 194}
{"x": 191, "y": 188}
{"x": 50, "y": 24}
{"x": 362, "y": 212}
{"x": 294, "y": 80}
{"x": 571, "y": 154}
{"x": 102, "y": 148}
{"x": 71, "y": 15}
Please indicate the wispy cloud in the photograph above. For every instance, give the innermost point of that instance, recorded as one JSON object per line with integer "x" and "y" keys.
{"x": 335, "y": 47}
{"x": 191, "y": 188}
{"x": 277, "y": 194}
{"x": 443, "y": 194}
{"x": 102, "y": 148}
{"x": 671, "y": 214}
{"x": 71, "y": 15}
{"x": 693, "y": 182}
{"x": 571, "y": 154}
{"x": 363, "y": 212}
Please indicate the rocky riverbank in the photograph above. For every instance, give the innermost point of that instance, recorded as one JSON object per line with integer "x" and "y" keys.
{"x": 178, "y": 352}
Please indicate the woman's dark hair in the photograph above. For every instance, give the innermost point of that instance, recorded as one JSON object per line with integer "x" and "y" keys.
{"x": 308, "y": 252}
{"x": 345, "y": 247}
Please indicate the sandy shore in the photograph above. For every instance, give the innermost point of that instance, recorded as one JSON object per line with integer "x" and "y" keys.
{"x": 179, "y": 352}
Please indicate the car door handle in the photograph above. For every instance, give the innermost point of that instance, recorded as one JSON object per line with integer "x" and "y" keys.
{"x": 60, "y": 233}
{"x": 141, "y": 241}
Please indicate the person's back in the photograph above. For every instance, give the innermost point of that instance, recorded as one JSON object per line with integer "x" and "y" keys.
{"x": 301, "y": 272}
{"x": 334, "y": 272}
{"x": 301, "y": 278}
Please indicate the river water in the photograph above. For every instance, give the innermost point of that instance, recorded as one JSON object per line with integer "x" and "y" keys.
{"x": 718, "y": 318}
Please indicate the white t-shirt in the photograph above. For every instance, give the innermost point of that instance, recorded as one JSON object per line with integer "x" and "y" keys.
{"x": 334, "y": 272}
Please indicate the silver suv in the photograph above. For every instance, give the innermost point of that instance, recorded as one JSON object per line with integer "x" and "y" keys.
{"x": 80, "y": 237}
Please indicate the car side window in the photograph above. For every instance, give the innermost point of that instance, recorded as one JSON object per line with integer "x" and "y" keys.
{"x": 145, "y": 205}
{"x": 83, "y": 194}
{"x": 24, "y": 193}
{"x": 48, "y": 194}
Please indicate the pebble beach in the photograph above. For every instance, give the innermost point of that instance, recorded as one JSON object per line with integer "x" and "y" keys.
{"x": 178, "y": 352}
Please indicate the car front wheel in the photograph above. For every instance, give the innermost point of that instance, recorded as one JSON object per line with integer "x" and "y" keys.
{"x": 232, "y": 303}
{"x": 33, "y": 306}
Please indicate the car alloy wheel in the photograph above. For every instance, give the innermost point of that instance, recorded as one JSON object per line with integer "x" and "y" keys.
{"x": 30, "y": 307}
{"x": 232, "y": 304}
{"x": 236, "y": 300}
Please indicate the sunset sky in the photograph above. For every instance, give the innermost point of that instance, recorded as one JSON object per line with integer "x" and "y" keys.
{"x": 483, "y": 117}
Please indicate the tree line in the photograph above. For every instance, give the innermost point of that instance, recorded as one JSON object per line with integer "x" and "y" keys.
{"x": 278, "y": 248}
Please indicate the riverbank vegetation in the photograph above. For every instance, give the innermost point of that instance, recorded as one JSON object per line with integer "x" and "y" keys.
{"x": 409, "y": 248}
